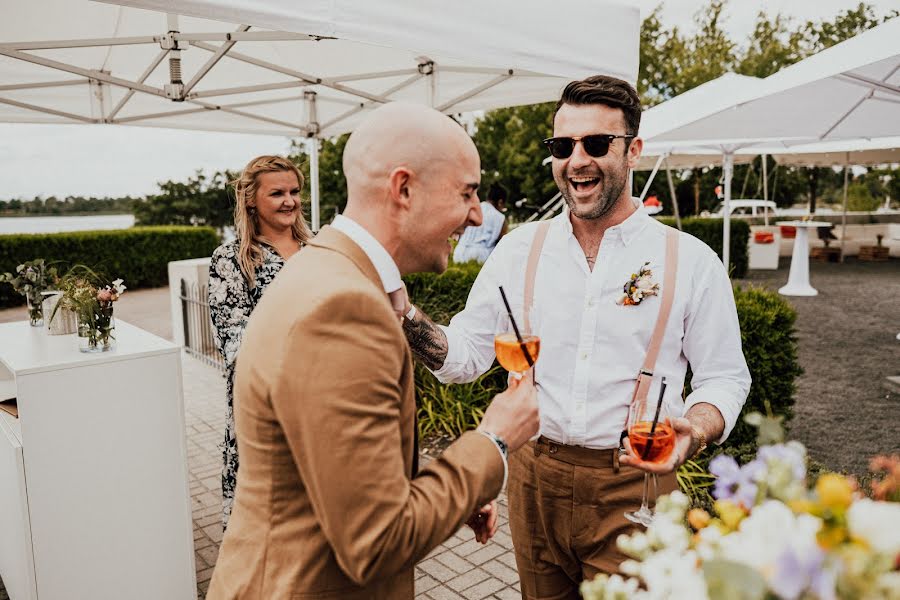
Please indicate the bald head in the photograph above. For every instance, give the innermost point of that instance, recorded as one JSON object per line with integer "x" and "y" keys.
{"x": 396, "y": 135}
{"x": 412, "y": 182}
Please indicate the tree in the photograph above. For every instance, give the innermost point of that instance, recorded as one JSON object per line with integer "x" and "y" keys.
{"x": 509, "y": 141}
{"x": 199, "y": 201}
{"x": 332, "y": 183}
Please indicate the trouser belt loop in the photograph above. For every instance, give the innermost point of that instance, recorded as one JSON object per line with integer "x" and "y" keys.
{"x": 615, "y": 462}
{"x": 536, "y": 444}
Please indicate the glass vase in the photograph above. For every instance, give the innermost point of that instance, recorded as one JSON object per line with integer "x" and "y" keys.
{"x": 95, "y": 330}
{"x": 35, "y": 309}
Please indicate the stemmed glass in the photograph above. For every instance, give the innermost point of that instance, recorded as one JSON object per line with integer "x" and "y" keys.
{"x": 517, "y": 348}
{"x": 652, "y": 439}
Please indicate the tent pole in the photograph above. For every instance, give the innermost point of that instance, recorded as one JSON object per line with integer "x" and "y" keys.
{"x": 727, "y": 168}
{"x": 313, "y": 147}
{"x": 313, "y": 143}
{"x": 844, "y": 215}
{"x": 661, "y": 158}
{"x": 765, "y": 175}
{"x": 675, "y": 209}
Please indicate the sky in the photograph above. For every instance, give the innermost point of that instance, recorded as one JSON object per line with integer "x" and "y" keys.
{"x": 109, "y": 160}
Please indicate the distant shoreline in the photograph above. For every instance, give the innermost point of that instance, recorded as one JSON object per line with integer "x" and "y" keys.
{"x": 70, "y": 214}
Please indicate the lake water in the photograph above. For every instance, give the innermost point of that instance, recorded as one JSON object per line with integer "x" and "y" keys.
{"x": 57, "y": 224}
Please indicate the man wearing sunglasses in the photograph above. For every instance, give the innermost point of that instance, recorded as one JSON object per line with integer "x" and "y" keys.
{"x": 620, "y": 302}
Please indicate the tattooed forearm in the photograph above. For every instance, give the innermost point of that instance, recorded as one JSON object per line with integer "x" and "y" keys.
{"x": 427, "y": 341}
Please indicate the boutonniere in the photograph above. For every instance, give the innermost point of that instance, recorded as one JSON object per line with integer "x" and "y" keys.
{"x": 640, "y": 286}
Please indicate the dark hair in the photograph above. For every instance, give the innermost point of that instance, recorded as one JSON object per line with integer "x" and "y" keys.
{"x": 496, "y": 193}
{"x": 600, "y": 89}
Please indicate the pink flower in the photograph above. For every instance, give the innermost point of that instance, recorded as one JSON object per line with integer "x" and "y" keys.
{"x": 105, "y": 295}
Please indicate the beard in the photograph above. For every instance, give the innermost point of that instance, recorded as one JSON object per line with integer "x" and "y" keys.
{"x": 609, "y": 188}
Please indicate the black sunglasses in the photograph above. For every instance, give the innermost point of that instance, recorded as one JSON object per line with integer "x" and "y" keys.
{"x": 595, "y": 145}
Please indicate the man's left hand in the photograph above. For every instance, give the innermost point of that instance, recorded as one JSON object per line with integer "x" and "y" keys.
{"x": 484, "y": 522}
{"x": 684, "y": 445}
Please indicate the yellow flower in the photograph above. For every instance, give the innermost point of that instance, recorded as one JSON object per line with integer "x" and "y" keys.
{"x": 730, "y": 513}
{"x": 831, "y": 536}
{"x": 698, "y": 518}
{"x": 834, "y": 491}
{"x": 804, "y": 505}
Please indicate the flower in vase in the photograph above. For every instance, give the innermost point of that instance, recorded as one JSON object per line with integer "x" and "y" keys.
{"x": 105, "y": 295}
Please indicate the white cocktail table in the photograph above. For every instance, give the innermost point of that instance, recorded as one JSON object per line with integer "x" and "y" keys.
{"x": 798, "y": 279}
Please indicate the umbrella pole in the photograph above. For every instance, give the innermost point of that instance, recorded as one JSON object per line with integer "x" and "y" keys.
{"x": 652, "y": 176}
{"x": 844, "y": 215}
{"x": 727, "y": 168}
{"x": 765, "y": 173}
{"x": 674, "y": 199}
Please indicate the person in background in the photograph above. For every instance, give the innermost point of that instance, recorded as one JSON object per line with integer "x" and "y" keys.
{"x": 477, "y": 242}
{"x": 270, "y": 228}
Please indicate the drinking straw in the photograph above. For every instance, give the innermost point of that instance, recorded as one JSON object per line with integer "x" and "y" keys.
{"x": 662, "y": 392}
{"x": 516, "y": 329}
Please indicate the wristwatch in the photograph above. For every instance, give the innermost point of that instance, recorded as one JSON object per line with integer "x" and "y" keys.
{"x": 701, "y": 439}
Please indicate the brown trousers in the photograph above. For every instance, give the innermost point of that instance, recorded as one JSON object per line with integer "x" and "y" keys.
{"x": 566, "y": 509}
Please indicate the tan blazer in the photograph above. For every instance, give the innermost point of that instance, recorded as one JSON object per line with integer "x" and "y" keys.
{"x": 324, "y": 412}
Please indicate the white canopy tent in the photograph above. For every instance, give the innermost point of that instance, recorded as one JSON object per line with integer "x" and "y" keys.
{"x": 288, "y": 68}
{"x": 848, "y": 91}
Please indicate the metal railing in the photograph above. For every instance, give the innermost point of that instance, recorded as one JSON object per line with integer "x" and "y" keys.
{"x": 198, "y": 336}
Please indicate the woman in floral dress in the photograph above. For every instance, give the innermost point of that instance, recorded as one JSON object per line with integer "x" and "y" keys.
{"x": 270, "y": 228}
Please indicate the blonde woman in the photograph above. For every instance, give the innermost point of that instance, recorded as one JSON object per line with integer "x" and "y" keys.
{"x": 270, "y": 229}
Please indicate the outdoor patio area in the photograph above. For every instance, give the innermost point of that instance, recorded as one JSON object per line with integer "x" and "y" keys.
{"x": 845, "y": 412}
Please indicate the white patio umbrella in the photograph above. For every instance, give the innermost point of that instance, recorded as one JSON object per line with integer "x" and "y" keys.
{"x": 290, "y": 68}
{"x": 841, "y": 153}
{"x": 848, "y": 91}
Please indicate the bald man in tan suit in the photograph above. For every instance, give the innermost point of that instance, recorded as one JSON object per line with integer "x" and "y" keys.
{"x": 329, "y": 504}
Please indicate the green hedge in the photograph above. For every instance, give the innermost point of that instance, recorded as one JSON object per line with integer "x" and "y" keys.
{"x": 710, "y": 231}
{"x": 767, "y": 333}
{"x": 138, "y": 255}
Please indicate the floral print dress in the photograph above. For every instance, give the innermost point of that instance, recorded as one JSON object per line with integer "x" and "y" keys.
{"x": 231, "y": 300}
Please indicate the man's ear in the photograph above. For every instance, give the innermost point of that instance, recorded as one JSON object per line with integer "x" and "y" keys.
{"x": 634, "y": 152}
{"x": 400, "y": 181}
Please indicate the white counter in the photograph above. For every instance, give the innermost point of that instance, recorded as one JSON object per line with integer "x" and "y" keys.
{"x": 94, "y": 498}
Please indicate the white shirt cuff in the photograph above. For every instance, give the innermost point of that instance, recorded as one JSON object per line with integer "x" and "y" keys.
{"x": 728, "y": 404}
{"x": 502, "y": 457}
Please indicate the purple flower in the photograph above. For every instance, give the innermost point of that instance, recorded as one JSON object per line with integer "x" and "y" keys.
{"x": 796, "y": 572}
{"x": 734, "y": 482}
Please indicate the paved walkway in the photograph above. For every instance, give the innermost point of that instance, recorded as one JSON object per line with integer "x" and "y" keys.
{"x": 460, "y": 568}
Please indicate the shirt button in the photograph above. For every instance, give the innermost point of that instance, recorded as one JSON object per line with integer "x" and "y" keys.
{"x": 584, "y": 356}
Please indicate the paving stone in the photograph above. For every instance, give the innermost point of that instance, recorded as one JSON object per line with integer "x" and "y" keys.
{"x": 508, "y": 594}
{"x": 437, "y": 570}
{"x": 485, "y": 554}
{"x": 466, "y": 580}
{"x": 425, "y": 583}
{"x": 454, "y": 561}
{"x": 484, "y": 589}
{"x": 501, "y": 571}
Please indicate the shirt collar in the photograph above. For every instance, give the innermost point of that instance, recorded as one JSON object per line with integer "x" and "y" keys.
{"x": 384, "y": 264}
{"x": 626, "y": 231}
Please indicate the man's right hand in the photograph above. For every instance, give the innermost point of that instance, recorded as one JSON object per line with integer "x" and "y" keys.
{"x": 513, "y": 415}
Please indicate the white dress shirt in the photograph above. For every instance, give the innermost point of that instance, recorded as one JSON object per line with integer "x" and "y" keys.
{"x": 592, "y": 347}
{"x": 387, "y": 270}
{"x": 381, "y": 259}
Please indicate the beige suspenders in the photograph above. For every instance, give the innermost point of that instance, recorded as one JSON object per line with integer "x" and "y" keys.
{"x": 645, "y": 375}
